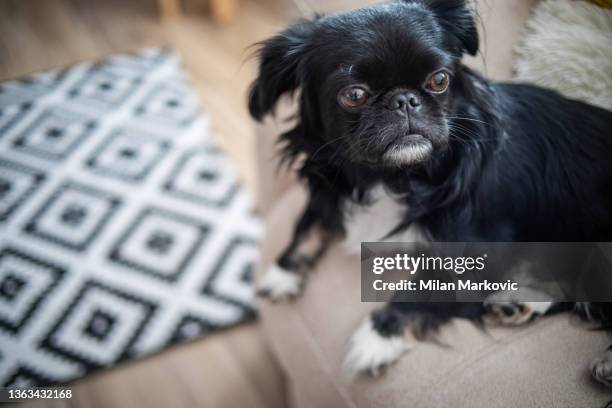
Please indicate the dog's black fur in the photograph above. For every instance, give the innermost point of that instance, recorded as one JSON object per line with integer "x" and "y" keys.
{"x": 508, "y": 162}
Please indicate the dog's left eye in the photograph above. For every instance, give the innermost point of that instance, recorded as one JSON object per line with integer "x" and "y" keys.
{"x": 438, "y": 82}
{"x": 352, "y": 96}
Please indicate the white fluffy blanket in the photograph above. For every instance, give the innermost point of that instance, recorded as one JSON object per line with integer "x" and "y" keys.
{"x": 568, "y": 47}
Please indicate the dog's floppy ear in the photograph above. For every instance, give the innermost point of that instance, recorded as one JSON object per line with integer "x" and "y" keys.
{"x": 279, "y": 66}
{"x": 457, "y": 17}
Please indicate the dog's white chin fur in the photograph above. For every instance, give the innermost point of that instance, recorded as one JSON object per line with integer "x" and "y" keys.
{"x": 408, "y": 154}
{"x": 369, "y": 351}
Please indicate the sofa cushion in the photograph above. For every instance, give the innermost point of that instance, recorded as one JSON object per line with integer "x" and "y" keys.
{"x": 542, "y": 364}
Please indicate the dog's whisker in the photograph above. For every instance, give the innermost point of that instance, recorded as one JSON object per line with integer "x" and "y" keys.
{"x": 314, "y": 155}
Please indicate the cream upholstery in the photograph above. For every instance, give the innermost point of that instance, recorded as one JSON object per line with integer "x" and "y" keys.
{"x": 544, "y": 364}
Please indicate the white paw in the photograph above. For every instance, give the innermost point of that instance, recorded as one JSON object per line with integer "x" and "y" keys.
{"x": 504, "y": 308}
{"x": 369, "y": 352}
{"x": 601, "y": 368}
{"x": 279, "y": 284}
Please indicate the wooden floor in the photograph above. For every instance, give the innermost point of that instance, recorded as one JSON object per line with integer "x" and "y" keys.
{"x": 230, "y": 369}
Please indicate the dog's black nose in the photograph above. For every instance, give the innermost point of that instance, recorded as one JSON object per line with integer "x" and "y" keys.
{"x": 404, "y": 102}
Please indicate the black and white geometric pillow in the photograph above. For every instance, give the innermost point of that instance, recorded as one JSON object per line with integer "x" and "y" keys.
{"x": 124, "y": 229}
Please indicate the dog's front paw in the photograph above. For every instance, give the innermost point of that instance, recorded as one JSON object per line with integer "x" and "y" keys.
{"x": 370, "y": 352}
{"x": 280, "y": 284}
{"x": 504, "y": 308}
{"x": 601, "y": 368}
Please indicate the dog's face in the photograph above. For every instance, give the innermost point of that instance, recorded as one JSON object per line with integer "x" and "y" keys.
{"x": 378, "y": 84}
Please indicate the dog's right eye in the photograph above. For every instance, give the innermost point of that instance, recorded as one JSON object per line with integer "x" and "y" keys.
{"x": 352, "y": 97}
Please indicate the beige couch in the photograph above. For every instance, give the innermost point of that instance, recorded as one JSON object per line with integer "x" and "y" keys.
{"x": 544, "y": 364}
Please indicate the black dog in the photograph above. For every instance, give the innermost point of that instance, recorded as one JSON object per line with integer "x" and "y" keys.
{"x": 387, "y": 109}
